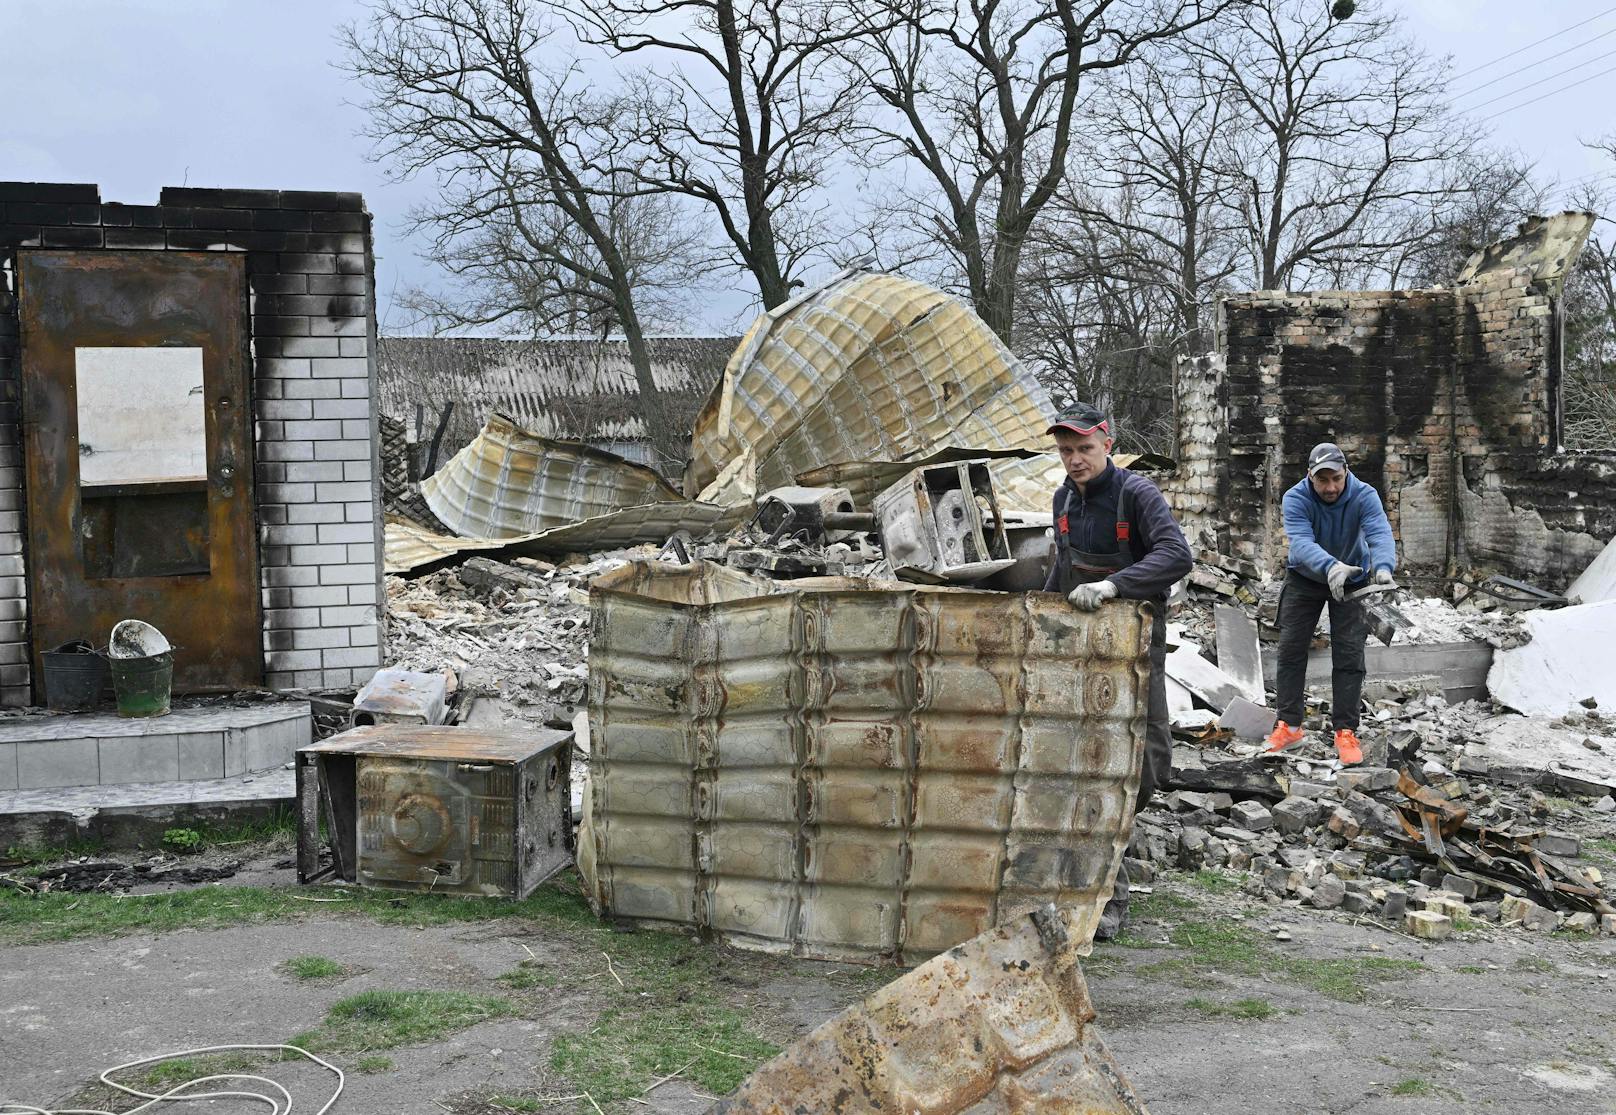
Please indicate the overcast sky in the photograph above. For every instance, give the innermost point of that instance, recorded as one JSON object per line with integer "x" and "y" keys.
{"x": 134, "y": 95}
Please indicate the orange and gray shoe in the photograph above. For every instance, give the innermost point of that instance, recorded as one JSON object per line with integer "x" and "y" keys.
{"x": 1283, "y": 736}
{"x": 1348, "y": 748}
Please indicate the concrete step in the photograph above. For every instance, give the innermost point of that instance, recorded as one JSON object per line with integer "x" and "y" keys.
{"x": 136, "y": 814}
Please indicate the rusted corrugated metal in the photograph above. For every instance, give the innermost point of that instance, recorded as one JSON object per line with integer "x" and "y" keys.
{"x": 1001, "y": 1025}
{"x": 410, "y": 549}
{"x": 873, "y": 366}
{"x": 850, "y": 769}
{"x": 510, "y": 482}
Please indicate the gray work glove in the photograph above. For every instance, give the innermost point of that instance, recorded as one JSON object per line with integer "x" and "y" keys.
{"x": 1384, "y": 577}
{"x": 1090, "y": 596}
{"x": 1338, "y": 576}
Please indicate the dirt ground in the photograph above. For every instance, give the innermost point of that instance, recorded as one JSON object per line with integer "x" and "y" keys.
{"x": 1209, "y": 1011}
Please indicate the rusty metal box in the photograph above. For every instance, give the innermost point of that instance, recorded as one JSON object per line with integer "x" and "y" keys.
{"x": 451, "y": 810}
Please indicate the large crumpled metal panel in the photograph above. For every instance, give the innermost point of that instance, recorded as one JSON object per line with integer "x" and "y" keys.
{"x": 1548, "y": 247}
{"x": 510, "y": 482}
{"x": 872, "y": 366}
{"x": 1001, "y": 1025}
{"x": 849, "y": 769}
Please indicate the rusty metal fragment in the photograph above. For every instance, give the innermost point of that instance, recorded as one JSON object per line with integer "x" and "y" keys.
{"x": 1000, "y": 1025}
{"x": 849, "y": 769}
{"x": 867, "y": 367}
{"x": 510, "y": 482}
{"x": 1546, "y": 246}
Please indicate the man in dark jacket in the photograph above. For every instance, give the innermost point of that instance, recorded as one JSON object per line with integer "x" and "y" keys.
{"x": 1116, "y": 538}
{"x": 1339, "y": 539}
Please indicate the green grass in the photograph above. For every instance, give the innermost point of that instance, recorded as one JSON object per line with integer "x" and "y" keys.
{"x": 1539, "y": 964}
{"x": 313, "y": 967}
{"x": 527, "y": 975}
{"x": 1216, "y": 881}
{"x": 673, "y": 1012}
{"x": 37, "y": 919}
{"x": 1257, "y": 1009}
{"x": 373, "y": 1064}
{"x": 166, "y": 1074}
{"x": 1413, "y": 1086}
{"x": 376, "y": 1020}
{"x": 1221, "y": 946}
{"x": 281, "y": 821}
{"x": 1471, "y": 969}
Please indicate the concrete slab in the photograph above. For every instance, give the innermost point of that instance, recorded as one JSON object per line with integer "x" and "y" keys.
{"x": 1535, "y": 750}
{"x": 58, "y": 762}
{"x": 1598, "y": 581}
{"x": 202, "y": 740}
{"x": 137, "y": 813}
{"x": 139, "y": 759}
{"x": 1239, "y": 653}
{"x": 1202, "y": 678}
{"x": 1567, "y": 661}
{"x": 1247, "y": 719}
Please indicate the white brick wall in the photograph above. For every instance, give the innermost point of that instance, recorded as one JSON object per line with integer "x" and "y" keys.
{"x": 15, "y": 674}
{"x": 321, "y": 503}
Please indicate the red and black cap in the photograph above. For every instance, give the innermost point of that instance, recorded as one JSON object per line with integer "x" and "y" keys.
{"x": 1080, "y": 418}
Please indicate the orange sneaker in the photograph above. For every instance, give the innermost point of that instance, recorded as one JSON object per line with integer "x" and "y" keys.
{"x": 1283, "y": 736}
{"x": 1348, "y": 748}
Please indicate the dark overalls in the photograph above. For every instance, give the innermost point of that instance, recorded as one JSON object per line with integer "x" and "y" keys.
{"x": 1078, "y": 567}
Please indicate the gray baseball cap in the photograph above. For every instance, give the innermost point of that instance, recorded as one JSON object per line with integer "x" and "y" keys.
{"x": 1326, "y": 454}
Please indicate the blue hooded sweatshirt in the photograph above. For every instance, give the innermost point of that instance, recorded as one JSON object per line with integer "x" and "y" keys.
{"x": 1353, "y": 529}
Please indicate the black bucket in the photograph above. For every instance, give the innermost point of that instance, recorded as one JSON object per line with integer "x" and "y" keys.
{"x": 76, "y": 676}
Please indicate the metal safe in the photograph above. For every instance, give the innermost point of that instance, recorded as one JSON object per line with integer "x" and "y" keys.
{"x": 451, "y": 810}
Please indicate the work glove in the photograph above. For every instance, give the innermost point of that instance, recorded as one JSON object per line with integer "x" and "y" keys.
{"x": 1338, "y": 576}
{"x": 1383, "y": 577}
{"x": 1090, "y": 596}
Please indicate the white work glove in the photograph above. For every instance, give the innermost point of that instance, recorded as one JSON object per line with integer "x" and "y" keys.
{"x": 1338, "y": 576}
{"x": 1383, "y": 577}
{"x": 1090, "y": 596}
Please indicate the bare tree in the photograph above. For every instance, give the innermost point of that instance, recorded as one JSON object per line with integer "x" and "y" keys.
{"x": 744, "y": 118}
{"x": 1588, "y": 375}
{"x": 532, "y": 163}
{"x": 1345, "y": 130}
{"x": 981, "y": 98}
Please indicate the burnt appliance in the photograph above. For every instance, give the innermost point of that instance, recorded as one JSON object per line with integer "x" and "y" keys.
{"x": 431, "y": 808}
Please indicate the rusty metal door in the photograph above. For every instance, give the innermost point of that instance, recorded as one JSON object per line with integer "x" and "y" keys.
{"x": 137, "y": 443}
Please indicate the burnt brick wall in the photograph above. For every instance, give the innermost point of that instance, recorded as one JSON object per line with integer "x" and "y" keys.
{"x": 1441, "y": 400}
{"x": 312, "y": 323}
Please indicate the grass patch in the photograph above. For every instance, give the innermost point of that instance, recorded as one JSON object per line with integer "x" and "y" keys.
{"x": 60, "y": 916}
{"x": 1160, "y": 904}
{"x": 312, "y": 967}
{"x": 167, "y": 1074}
{"x": 372, "y": 1065}
{"x": 27, "y": 855}
{"x": 1257, "y": 1009}
{"x": 281, "y": 821}
{"x": 527, "y": 975}
{"x": 672, "y": 1012}
{"x": 1413, "y": 1086}
{"x": 375, "y": 1020}
{"x": 1225, "y": 947}
{"x": 1471, "y": 969}
{"x": 1539, "y": 964}
{"x": 1217, "y": 882}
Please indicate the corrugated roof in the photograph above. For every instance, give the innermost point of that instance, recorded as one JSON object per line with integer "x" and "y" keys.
{"x": 869, "y": 367}
{"x": 559, "y": 387}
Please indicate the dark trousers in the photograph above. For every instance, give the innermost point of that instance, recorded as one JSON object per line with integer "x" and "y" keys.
{"x": 1158, "y": 762}
{"x": 1299, "y": 604}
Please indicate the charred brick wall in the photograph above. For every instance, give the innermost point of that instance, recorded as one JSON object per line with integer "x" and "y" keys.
{"x": 1442, "y": 400}
{"x": 312, "y": 326}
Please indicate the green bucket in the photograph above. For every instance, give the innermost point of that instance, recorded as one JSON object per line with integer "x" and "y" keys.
{"x": 142, "y": 682}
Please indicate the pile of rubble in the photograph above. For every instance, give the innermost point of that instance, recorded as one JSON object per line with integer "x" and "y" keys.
{"x": 517, "y": 633}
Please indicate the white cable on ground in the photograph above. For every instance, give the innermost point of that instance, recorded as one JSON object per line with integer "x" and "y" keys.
{"x": 173, "y": 1095}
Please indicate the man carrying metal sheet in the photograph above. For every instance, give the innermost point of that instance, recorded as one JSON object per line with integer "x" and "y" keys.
{"x": 1339, "y": 540}
{"x": 1116, "y": 538}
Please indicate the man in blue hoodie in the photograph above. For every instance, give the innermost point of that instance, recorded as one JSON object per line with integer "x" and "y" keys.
{"x": 1115, "y": 537}
{"x": 1339, "y": 540}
